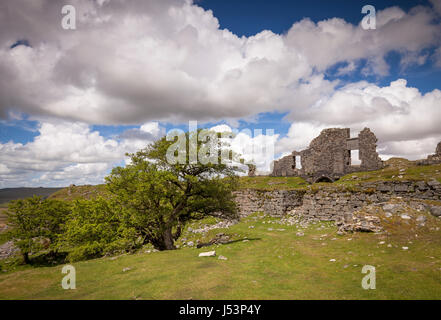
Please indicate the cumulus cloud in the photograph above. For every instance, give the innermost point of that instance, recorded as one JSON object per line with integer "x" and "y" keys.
{"x": 65, "y": 153}
{"x": 135, "y": 61}
{"x": 143, "y": 61}
{"x": 405, "y": 121}
{"x": 254, "y": 146}
{"x": 335, "y": 40}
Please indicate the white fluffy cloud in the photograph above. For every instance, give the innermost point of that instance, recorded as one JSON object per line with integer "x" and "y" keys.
{"x": 135, "y": 61}
{"x": 65, "y": 153}
{"x": 138, "y": 61}
{"x": 254, "y": 146}
{"x": 334, "y": 40}
{"x": 406, "y": 122}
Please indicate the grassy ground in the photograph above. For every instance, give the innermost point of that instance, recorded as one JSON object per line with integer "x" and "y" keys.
{"x": 274, "y": 263}
{"x": 396, "y": 170}
{"x": 390, "y": 172}
{"x": 79, "y": 192}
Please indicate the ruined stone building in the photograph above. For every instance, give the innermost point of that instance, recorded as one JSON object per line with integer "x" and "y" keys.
{"x": 329, "y": 156}
{"x": 433, "y": 158}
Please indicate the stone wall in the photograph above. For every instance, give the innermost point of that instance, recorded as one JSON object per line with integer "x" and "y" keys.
{"x": 284, "y": 167}
{"x": 370, "y": 160}
{"x": 276, "y": 203}
{"x": 329, "y": 203}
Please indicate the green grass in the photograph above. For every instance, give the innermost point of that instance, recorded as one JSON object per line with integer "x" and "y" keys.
{"x": 273, "y": 264}
{"x": 271, "y": 183}
{"x": 396, "y": 169}
{"x": 80, "y": 192}
{"x": 389, "y": 173}
{"x": 409, "y": 171}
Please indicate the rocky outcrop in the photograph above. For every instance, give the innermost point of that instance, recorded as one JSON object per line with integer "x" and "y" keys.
{"x": 433, "y": 158}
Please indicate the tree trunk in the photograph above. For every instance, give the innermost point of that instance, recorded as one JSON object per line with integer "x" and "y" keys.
{"x": 26, "y": 258}
{"x": 165, "y": 241}
{"x": 168, "y": 239}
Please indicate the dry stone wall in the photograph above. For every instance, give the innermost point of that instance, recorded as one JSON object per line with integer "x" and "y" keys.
{"x": 331, "y": 204}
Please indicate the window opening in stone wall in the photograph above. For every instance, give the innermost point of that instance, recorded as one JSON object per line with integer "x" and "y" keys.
{"x": 355, "y": 158}
{"x": 298, "y": 162}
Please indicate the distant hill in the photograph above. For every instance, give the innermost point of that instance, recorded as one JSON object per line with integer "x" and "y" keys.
{"x": 9, "y": 194}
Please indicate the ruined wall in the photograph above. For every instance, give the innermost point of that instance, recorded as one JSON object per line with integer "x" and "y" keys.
{"x": 251, "y": 170}
{"x": 329, "y": 156}
{"x": 329, "y": 203}
{"x": 368, "y": 155}
{"x": 284, "y": 167}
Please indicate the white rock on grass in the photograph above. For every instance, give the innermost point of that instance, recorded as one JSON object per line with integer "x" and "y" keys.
{"x": 222, "y": 258}
{"x": 207, "y": 254}
{"x": 405, "y": 248}
{"x": 332, "y": 260}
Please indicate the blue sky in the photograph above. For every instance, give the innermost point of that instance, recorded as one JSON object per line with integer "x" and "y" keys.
{"x": 108, "y": 88}
{"x": 248, "y": 17}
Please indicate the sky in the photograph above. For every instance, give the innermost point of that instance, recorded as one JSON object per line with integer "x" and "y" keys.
{"x": 73, "y": 102}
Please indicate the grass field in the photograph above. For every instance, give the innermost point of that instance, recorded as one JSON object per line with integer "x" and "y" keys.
{"x": 274, "y": 263}
{"x": 396, "y": 169}
{"x": 266, "y": 260}
{"x": 389, "y": 173}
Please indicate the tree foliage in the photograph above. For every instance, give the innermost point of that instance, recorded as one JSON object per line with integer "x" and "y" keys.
{"x": 37, "y": 224}
{"x": 151, "y": 199}
{"x": 94, "y": 229}
{"x": 160, "y": 197}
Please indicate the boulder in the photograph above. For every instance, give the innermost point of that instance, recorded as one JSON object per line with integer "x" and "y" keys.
{"x": 435, "y": 211}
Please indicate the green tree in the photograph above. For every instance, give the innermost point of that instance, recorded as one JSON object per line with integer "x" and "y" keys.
{"x": 94, "y": 229}
{"x": 159, "y": 197}
{"x": 37, "y": 224}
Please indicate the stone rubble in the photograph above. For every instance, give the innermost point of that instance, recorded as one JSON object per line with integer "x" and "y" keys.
{"x": 8, "y": 250}
{"x": 225, "y": 224}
